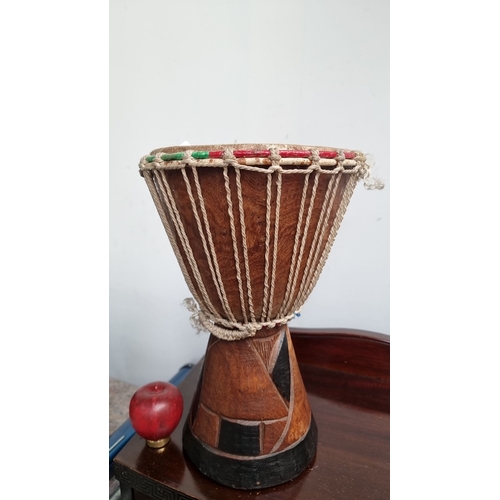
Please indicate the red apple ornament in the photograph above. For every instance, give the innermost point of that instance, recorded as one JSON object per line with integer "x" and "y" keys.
{"x": 155, "y": 410}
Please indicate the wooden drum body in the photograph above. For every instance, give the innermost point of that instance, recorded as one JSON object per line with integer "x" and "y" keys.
{"x": 251, "y": 226}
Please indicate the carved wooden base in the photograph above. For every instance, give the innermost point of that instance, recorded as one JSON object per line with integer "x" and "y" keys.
{"x": 250, "y": 424}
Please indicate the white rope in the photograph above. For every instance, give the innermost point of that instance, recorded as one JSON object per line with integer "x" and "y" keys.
{"x": 161, "y": 210}
{"x": 210, "y": 254}
{"x": 235, "y": 242}
{"x": 311, "y": 201}
{"x": 202, "y": 320}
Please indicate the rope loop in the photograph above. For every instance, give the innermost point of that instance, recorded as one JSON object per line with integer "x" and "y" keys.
{"x": 230, "y": 330}
{"x": 274, "y": 156}
{"x": 315, "y": 158}
{"x": 340, "y": 157}
{"x": 187, "y": 159}
{"x": 145, "y": 165}
{"x": 229, "y": 158}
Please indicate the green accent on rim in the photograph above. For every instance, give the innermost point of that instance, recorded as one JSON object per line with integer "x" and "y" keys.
{"x": 172, "y": 156}
{"x": 200, "y": 155}
{"x": 149, "y": 159}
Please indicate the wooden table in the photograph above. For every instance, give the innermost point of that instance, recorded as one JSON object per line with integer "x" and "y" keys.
{"x": 346, "y": 374}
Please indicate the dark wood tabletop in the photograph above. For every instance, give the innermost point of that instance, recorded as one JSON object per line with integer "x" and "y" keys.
{"x": 346, "y": 374}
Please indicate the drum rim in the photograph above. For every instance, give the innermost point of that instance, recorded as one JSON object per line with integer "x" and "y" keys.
{"x": 247, "y": 146}
{"x": 261, "y": 158}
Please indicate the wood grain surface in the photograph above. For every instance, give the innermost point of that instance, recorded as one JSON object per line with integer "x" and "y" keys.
{"x": 252, "y": 411}
{"x": 291, "y": 221}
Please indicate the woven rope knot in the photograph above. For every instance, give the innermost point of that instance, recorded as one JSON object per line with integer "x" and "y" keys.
{"x": 201, "y": 321}
{"x": 274, "y": 156}
{"x": 187, "y": 157}
{"x": 315, "y": 158}
{"x": 148, "y": 163}
{"x": 229, "y": 158}
{"x": 142, "y": 166}
{"x": 231, "y": 330}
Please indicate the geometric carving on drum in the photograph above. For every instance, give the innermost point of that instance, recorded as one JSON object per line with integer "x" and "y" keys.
{"x": 206, "y": 426}
{"x": 257, "y": 425}
{"x": 266, "y": 347}
{"x": 300, "y": 415}
{"x": 196, "y": 401}
{"x": 240, "y": 439}
{"x": 243, "y": 366}
{"x": 281, "y": 370}
{"x": 271, "y": 432}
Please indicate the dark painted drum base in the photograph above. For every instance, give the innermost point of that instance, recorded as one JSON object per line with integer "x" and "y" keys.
{"x": 253, "y": 473}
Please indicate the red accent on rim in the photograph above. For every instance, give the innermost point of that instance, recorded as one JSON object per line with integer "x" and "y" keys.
{"x": 215, "y": 154}
{"x": 284, "y": 153}
{"x": 251, "y": 153}
{"x": 328, "y": 154}
{"x": 289, "y": 153}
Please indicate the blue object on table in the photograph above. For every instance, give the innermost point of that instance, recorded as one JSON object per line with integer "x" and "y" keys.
{"x": 181, "y": 374}
{"x": 122, "y": 435}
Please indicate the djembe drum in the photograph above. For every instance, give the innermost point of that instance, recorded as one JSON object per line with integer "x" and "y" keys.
{"x": 251, "y": 227}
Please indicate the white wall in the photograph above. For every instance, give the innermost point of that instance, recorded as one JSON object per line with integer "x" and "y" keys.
{"x": 312, "y": 72}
